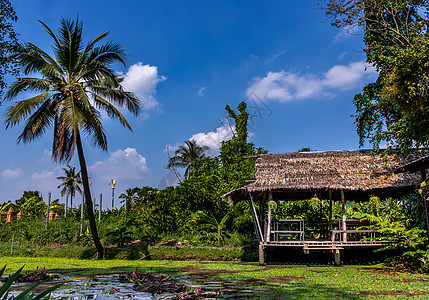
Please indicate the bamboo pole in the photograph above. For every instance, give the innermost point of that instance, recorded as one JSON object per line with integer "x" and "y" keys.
{"x": 258, "y": 225}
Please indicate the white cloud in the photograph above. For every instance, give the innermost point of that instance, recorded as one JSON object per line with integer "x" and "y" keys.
{"x": 46, "y": 156}
{"x": 201, "y": 91}
{"x": 169, "y": 148}
{"x": 142, "y": 81}
{"x": 275, "y": 56}
{"x": 43, "y": 181}
{"x": 213, "y": 139}
{"x": 124, "y": 165}
{"x": 286, "y": 86}
{"x": 44, "y": 175}
{"x": 11, "y": 174}
{"x": 346, "y": 32}
{"x": 347, "y": 77}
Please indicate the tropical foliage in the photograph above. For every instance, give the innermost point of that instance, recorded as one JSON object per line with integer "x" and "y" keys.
{"x": 395, "y": 107}
{"x": 8, "y": 42}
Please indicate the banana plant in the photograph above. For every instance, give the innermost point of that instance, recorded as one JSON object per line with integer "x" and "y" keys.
{"x": 210, "y": 222}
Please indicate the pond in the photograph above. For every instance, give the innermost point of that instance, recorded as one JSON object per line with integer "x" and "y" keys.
{"x": 111, "y": 287}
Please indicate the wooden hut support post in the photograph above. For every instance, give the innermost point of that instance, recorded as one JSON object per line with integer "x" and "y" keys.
{"x": 261, "y": 254}
{"x": 337, "y": 257}
{"x": 343, "y": 212}
{"x": 270, "y": 198}
{"x": 330, "y": 209}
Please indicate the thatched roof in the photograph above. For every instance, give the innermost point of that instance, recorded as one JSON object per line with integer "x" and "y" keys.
{"x": 416, "y": 165}
{"x": 304, "y": 173}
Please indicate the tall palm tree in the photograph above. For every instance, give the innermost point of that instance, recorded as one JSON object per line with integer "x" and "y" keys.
{"x": 70, "y": 183}
{"x": 186, "y": 156}
{"x": 72, "y": 87}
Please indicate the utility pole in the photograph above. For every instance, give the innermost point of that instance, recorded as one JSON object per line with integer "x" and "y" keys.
{"x": 81, "y": 213}
{"x": 99, "y": 208}
{"x": 47, "y": 211}
{"x": 65, "y": 208}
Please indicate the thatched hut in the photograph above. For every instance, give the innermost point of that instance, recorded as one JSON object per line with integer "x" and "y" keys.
{"x": 334, "y": 175}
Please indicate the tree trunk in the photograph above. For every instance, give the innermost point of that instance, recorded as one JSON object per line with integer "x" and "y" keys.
{"x": 88, "y": 199}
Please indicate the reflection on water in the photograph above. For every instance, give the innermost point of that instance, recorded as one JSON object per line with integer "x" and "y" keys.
{"x": 109, "y": 287}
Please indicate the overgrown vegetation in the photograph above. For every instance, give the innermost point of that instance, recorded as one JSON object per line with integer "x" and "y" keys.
{"x": 191, "y": 220}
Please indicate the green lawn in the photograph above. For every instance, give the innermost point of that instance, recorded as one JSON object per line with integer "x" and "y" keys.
{"x": 282, "y": 281}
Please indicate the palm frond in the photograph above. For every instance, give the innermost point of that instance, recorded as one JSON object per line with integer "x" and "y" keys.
{"x": 53, "y": 36}
{"x": 111, "y": 110}
{"x": 107, "y": 54}
{"x": 21, "y": 109}
{"x": 89, "y": 121}
{"x": 35, "y": 59}
{"x": 38, "y": 122}
{"x": 64, "y": 141}
{"x": 119, "y": 97}
{"x": 27, "y": 84}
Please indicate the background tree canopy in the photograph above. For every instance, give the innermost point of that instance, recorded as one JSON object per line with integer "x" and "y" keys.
{"x": 8, "y": 42}
{"x": 395, "y": 108}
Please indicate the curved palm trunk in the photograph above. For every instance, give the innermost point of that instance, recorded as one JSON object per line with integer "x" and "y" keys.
{"x": 88, "y": 199}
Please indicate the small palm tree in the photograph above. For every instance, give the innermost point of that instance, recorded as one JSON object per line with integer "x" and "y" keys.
{"x": 70, "y": 183}
{"x": 186, "y": 156}
{"x": 129, "y": 198}
{"x": 72, "y": 87}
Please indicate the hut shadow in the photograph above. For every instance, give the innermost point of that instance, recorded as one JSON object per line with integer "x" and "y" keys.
{"x": 352, "y": 256}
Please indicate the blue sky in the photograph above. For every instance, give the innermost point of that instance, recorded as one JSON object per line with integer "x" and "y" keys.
{"x": 186, "y": 61}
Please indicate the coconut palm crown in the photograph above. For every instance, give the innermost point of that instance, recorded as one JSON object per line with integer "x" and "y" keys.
{"x": 72, "y": 88}
{"x": 70, "y": 183}
{"x": 186, "y": 156}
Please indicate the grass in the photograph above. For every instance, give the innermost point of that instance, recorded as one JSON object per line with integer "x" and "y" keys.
{"x": 195, "y": 253}
{"x": 156, "y": 252}
{"x": 282, "y": 281}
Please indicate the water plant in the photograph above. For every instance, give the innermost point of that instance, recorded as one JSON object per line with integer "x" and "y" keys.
{"x": 26, "y": 294}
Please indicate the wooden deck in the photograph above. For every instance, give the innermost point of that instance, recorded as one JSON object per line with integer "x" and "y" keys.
{"x": 324, "y": 244}
{"x": 291, "y": 233}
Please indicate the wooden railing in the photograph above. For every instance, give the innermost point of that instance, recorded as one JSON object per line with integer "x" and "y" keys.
{"x": 293, "y": 229}
{"x": 286, "y": 229}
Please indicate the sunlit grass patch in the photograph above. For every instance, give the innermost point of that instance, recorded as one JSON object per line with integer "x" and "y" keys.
{"x": 280, "y": 281}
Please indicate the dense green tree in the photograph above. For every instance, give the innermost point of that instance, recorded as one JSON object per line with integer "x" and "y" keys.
{"x": 396, "y": 107}
{"x": 73, "y": 86}
{"x": 237, "y": 164}
{"x": 145, "y": 197}
{"x": 70, "y": 183}
{"x": 26, "y": 195}
{"x": 8, "y": 42}
{"x": 186, "y": 156}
